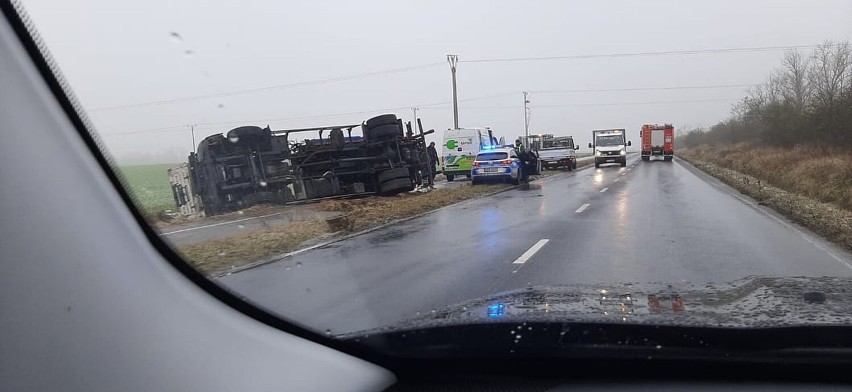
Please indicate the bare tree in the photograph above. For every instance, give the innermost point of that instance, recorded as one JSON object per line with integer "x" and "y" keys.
{"x": 831, "y": 66}
{"x": 797, "y": 88}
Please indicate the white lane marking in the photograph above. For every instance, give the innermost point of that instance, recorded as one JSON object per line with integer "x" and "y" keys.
{"x": 221, "y": 223}
{"x": 582, "y": 208}
{"x": 616, "y": 180}
{"x": 623, "y": 173}
{"x": 604, "y": 190}
{"x": 531, "y": 251}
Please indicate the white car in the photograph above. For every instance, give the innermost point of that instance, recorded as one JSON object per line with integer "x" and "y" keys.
{"x": 500, "y": 164}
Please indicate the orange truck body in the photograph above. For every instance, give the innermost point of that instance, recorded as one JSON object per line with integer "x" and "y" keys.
{"x": 657, "y": 140}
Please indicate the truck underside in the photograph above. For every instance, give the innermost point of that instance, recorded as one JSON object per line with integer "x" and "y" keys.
{"x": 252, "y": 165}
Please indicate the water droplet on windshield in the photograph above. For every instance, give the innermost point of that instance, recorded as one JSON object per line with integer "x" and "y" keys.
{"x": 512, "y": 332}
{"x": 517, "y": 336}
{"x": 222, "y": 253}
{"x": 416, "y": 313}
{"x": 464, "y": 308}
{"x": 240, "y": 212}
{"x": 433, "y": 311}
{"x": 176, "y": 38}
{"x": 262, "y": 183}
{"x": 328, "y": 332}
{"x": 659, "y": 347}
{"x": 529, "y": 329}
{"x": 241, "y": 227}
{"x": 287, "y": 268}
{"x": 298, "y": 264}
{"x": 188, "y": 53}
{"x": 233, "y": 139}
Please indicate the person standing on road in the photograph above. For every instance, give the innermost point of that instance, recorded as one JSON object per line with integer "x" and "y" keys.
{"x": 433, "y": 162}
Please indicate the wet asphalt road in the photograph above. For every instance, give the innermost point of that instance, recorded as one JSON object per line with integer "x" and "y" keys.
{"x": 647, "y": 222}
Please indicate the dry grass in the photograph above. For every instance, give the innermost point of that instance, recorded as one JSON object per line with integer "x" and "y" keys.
{"x": 819, "y": 173}
{"x": 797, "y": 201}
{"x": 365, "y": 213}
{"x": 220, "y": 255}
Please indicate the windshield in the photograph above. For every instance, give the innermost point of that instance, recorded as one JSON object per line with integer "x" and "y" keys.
{"x": 557, "y": 144}
{"x": 317, "y": 159}
{"x": 608, "y": 141}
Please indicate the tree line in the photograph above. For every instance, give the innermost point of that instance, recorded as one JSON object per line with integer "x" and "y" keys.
{"x": 806, "y": 101}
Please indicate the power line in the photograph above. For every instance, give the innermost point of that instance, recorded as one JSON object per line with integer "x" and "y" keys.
{"x": 267, "y": 88}
{"x": 596, "y": 104}
{"x": 719, "y": 86}
{"x": 638, "y": 54}
{"x": 433, "y": 105}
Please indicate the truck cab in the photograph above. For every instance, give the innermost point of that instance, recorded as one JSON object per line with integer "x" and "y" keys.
{"x": 657, "y": 140}
{"x": 609, "y": 146}
{"x": 460, "y": 148}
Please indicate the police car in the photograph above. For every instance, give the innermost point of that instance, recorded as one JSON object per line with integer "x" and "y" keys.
{"x": 498, "y": 164}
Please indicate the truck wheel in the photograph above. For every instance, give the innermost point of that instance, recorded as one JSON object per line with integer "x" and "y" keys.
{"x": 474, "y": 181}
{"x": 570, "y": 167}
{"x": 387, "y": 175}
{"x": 668, "y": 159}
{"x": 383, "y": 132}
{"x": 385, "y": 119}
{"x": 574, "y": 165}
{"x": 597, "y": 165}
{"x": 396, "y": 186}
{"x": 450, "y": 177}
{"x": 624, "y": 162}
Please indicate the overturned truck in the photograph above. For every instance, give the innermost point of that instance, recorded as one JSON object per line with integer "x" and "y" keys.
{"x": 251, "y": 165}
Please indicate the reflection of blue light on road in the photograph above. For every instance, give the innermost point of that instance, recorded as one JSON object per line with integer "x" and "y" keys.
{"x": 495, "y": 310}
{"x": 490, "y": 224}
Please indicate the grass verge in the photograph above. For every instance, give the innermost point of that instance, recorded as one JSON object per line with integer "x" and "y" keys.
{"x": 220, "y": 255}
{"x": 797, "y": 203}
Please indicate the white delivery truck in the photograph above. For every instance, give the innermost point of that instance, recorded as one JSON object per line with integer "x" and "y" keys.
{"x": 558, "y": 151}
{"x": 609, "y": 146}
{"x": 460, "y": 148}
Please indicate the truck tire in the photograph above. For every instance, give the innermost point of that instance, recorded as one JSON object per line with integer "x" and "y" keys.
{"x": 385, "y": 119}
{"x": 382, "y": 132}
{"x": 597, "y": 165}
{"x": 474, "y": 181}
{"x": 450, "y": 177}
{"x": 574, "y": 165}
{"x": 624, "y": 162}
{"x": 396, "y": 186}
{"x": 392, "y": 174}
{"x": 668, "y": 158}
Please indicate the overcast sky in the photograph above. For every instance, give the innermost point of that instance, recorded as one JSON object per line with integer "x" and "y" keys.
{"x": 120, "y": 54}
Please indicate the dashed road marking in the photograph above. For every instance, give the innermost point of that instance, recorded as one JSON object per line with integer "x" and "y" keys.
{"x": 531, "y": 251}
{"x": 604, "y": 190}
{"x": 582, "y": 208}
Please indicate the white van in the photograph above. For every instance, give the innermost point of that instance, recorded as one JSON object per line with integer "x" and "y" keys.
{"x": 460, "y": 148}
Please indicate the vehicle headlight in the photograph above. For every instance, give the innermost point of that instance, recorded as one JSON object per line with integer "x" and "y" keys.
{"x": 623, "y": 152}
{"x": 598, "y": 153}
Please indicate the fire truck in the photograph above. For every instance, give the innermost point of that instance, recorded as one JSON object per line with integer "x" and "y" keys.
{"x": 657, "y": 140}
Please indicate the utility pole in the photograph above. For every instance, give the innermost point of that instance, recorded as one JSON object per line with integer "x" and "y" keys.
{"x": 454, "y": 60}
{"x": 526, "y": 122}
{"x": 192, "y": 131}
{"x": 414, "y": 121}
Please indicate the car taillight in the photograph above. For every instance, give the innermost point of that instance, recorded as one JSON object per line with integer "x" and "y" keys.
{"x": 475, "y": 163}
{"x": 507, "y": 162}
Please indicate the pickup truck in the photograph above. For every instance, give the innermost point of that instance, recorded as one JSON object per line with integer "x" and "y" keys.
{"x": 558, "y": 152}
